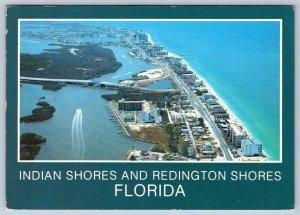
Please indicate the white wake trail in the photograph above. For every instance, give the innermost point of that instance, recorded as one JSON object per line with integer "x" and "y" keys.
{"x": 81, "y": 134}
{"x": 78, "y": 146}
{"x": 73, "y": 133}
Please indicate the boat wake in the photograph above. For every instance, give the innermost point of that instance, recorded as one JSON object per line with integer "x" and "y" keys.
{"x": 78, "y": 146}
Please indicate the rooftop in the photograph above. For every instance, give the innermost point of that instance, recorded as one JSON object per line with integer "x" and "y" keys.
{"x": 249, "y": 142}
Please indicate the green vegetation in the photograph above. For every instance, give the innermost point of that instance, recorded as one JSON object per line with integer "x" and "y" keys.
{"x": 131, "y": 95}
{"x": 132, "y": 158}
{"x": 154, "y": 134}
{"x": 43, "y": 104}
{"x": 31, "y": 139}
{"x": 164, "y": 116}
{"x": 32, "y": 63}
{"x": 201, "y": 122}
{"x": 52, "y": 86}
{"x": 60, "y": 63}
{"x": 39, "y": 114}
{"x": 176, "y": 143}
{"x": 29, "y": 152}
{"x": 29, "y": 145}
{"x": 158, "y": 148}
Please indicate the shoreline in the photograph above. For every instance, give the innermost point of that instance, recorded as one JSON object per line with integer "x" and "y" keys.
{"x": 212, "y": 91}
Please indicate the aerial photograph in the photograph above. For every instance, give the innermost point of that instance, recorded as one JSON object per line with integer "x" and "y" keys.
{"x": 149, "y": 90}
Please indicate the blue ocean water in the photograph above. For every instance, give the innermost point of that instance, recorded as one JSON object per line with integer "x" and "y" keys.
{"x": 239, "y": 60}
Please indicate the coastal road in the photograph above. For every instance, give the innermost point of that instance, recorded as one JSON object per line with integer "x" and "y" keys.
{"x": 191, "y": 137}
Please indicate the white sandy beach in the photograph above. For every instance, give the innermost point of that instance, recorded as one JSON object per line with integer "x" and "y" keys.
{"x": 152, "y": 73}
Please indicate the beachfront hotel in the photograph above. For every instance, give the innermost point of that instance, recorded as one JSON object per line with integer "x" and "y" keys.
{"x": 235, "y": 133}
{"x": 251, "y": 148}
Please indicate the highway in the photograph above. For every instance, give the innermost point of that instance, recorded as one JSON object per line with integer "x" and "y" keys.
{"x": 191, "y": 137}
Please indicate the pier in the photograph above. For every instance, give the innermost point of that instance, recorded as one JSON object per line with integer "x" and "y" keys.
{"x": 116, "y": 114}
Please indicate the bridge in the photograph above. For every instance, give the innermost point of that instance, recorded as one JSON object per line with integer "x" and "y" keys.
{"x": 53, "y": 80}
{"x": 90, "y": 82}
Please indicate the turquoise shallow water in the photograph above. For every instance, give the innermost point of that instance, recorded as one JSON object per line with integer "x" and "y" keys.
{"x": 240, "y": 60}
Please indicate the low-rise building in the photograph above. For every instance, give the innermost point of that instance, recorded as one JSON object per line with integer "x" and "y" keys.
{"x": 198, "y": 129}
{"x": 251, "y": 148}
{"x": 224, "y": 115}
{"x": 188, "y": 81}
{"x": 216, "y": 108}
{"x": 162, "y": 53}
{"x": 177, "y": 117}
{"x": 206, "y": 96}
{"x": 188, "y": 76}
{"x": 203, "y": 90}
{"x": 185, "y": 132}
{"x": 183, "y": 66}
{"x": 211, "y": 102}
{"x": 207, "y": 148}
{"x": 223, "y": 127}
{"x": 197, "y": 83}
{"x": 191, "y": 151}
{"x": 184, "y": 102}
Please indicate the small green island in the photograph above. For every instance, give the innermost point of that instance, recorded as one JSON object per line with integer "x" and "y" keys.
{"x": 30, "y": 145}
{"x": 44, "y": 112}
